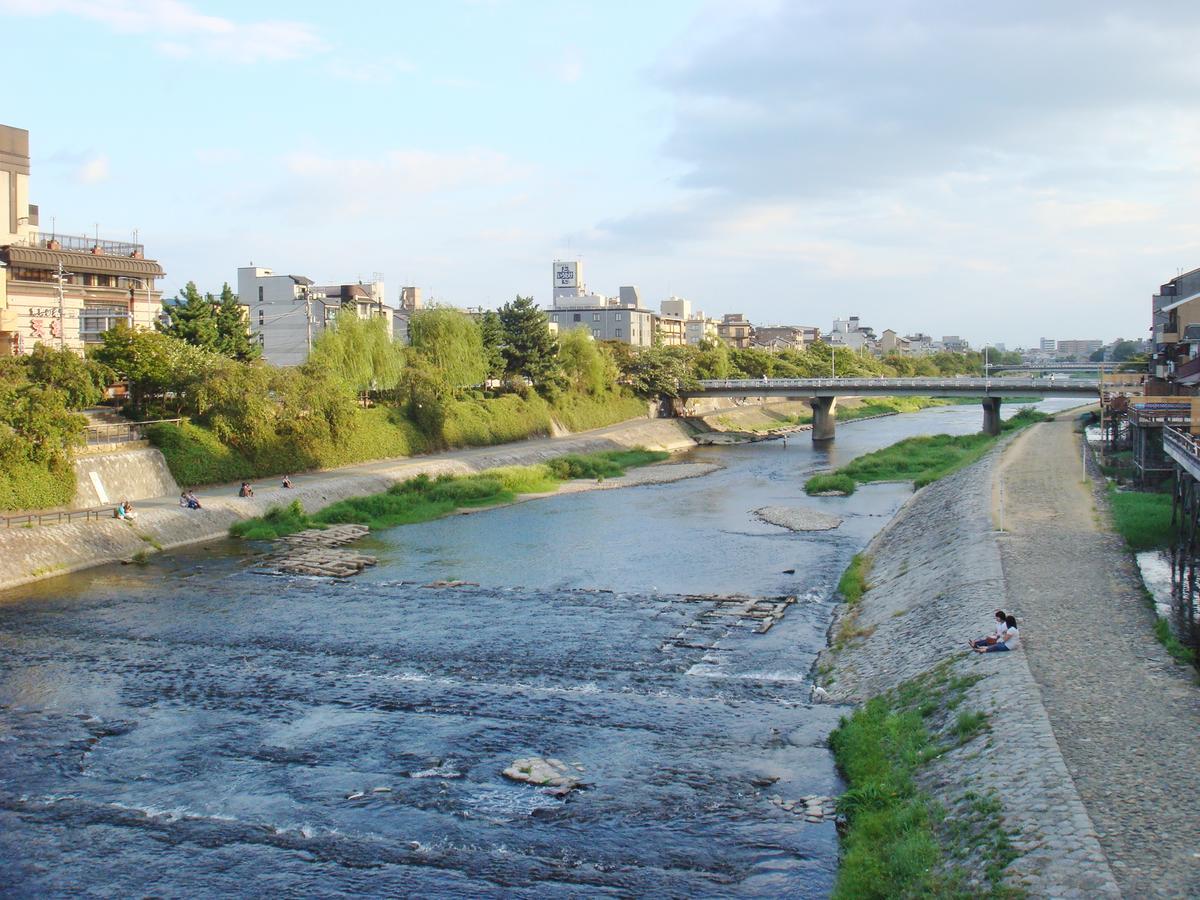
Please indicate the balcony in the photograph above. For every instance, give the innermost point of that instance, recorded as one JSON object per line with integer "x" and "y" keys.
{"x": 82, "y": 243}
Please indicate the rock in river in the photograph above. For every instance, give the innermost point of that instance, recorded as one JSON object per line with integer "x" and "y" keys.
{"x": 552, "y": 773}
{"x": 796, "y": 518}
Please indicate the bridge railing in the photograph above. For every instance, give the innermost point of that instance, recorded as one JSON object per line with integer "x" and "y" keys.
{"x": 1185, "y": 446}
{"x": 932, "y": 385}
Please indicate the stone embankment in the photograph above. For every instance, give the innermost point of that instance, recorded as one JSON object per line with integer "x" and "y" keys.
{"x": 31, "y": 553}
{"x": 936, "y": 577}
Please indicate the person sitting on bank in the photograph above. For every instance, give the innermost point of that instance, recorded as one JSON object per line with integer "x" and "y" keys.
{"x": 183, "y": 500}
{"x": 1007, "y": 642}
{"x": 998, "y": 634}
{"x": 125, "y": 511}
{"x": 246, "y": 490}
{"x": 192, "y": 501}
{"x": 287, "y": 481}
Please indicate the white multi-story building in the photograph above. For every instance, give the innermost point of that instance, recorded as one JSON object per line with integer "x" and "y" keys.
{"x": 698, "y": 327}
{"x": 287, "y": 312}
{"x": 853, "y": 334}
{"x": 619, "y": 318}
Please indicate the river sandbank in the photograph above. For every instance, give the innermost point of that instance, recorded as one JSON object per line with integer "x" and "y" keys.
{"x": 936, "y": 576}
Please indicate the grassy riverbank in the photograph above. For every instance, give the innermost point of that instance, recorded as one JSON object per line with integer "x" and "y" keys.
{"x": 921, "y": 460}
{"x": 898, "y": 841}
{"x": 1144, "y": 521}
{"x": 423, "y": 498}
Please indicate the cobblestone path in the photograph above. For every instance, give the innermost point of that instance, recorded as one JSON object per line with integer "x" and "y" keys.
{"x": 1125, "y": 715}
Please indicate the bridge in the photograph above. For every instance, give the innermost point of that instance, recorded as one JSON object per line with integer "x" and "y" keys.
{"x": 1067, "y": 367}
{"x": 822, "y": 393}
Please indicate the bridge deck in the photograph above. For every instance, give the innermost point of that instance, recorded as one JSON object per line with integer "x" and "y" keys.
{"x": 890, "y": 387}
{"x": 1184, "y": 449}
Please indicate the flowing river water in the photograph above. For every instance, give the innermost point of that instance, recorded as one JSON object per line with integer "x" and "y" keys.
{"x": 190, "y": 728}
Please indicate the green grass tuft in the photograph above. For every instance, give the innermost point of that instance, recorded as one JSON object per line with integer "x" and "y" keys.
{"x": 853, "y": 583}
{"x": 274, "y": 523}
{"x": 831, "y": 482}
{"x": 1166, "y": 637}
{"x": 1142, "y": 519}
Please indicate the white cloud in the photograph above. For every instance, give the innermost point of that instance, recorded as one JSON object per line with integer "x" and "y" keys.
{"x": 178, "y": 30}
{"x": 93, "y": 171}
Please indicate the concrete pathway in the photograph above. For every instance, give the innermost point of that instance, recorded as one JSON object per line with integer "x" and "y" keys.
{"x": 1125, "y": 715}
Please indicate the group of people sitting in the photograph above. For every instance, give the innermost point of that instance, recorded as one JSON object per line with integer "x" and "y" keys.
{"x": 1004, "y": 637}
{"x": 246, "y": 490}
{"x": 187, "y": 500}
{"x": 125, "y": 511}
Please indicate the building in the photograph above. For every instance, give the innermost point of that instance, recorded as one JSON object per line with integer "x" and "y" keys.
{"x": 1174, "y": 309}
{"x": 59, "y": 289}
{"x": 288, "y": 312}
{"x": 735, "y": 330}
{"x": 1079, "y": 349}
{"x": 1047, "y": 345}
{"x": 671, "y": 330}
{"x": 676, "y": 306}
{"x": 609, "y": 323}
{"x": 699, "y": 327}
{"x": 621, "y": 318}
{"x": 851, "y": 333}
{"x": 785, "y": 337}
{"x": 891, "y": 342}
{"x": 952, "y": 343}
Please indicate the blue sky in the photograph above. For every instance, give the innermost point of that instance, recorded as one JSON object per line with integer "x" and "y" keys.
{"x": 1004, "y": 174}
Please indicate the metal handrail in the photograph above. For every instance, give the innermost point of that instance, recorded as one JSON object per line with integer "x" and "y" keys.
{"x": 97, "y": 434}
{"x": 1181, "y": 441}
{"x": 932, "y": 384}
{"x": 57, "y": 518}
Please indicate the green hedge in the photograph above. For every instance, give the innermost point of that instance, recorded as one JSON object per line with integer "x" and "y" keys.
{"x": 583, "y": 412}
{"x": 195, "y": 456}
{"x": 28, "y": 485}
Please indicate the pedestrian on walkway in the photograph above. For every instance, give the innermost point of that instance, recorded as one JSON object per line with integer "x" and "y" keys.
{"x": 996, "y": 635}
{"x": 1007, "y": 642}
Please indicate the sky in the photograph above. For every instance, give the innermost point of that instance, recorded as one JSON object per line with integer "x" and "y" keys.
{"x": 1003, "y": 172}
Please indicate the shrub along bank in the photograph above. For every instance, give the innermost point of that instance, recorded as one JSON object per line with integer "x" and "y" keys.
{"x": 921, "y": 460}
{"x": 898, "y": 841}
{"x": 422, "y": 498}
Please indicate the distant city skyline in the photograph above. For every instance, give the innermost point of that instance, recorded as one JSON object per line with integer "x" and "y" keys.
{"x": 1003, "y": 174}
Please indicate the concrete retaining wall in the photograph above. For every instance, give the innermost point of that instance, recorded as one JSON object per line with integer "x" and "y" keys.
{"x": 136, "y": 474}
{"x": 31, "y": 554}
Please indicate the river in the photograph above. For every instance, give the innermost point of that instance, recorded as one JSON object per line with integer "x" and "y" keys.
{"x": 191, "y": 728}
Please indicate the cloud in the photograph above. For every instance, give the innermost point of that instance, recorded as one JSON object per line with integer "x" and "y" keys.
{"x": 178, "y": 30}
{"x": 93, "y": 170}
{"x": 383, "y": 184}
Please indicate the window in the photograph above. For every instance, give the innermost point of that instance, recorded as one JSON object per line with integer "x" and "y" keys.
{"x": 260, "y": 294}
{"x": 619, "y": 316}
{"x": 95, "y": 320}
{"x": 260, "y": 318}
{"x": 595, "y": 317}
{"x": 617, "y": 331}
{"x": 595, "y": 332}
{"x": 576, "y": 318}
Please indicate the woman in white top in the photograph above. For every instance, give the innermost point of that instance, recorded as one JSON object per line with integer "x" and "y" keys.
{"x": 1008, "y": 641}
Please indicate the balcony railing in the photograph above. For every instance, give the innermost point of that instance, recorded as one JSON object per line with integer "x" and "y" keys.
{"x": 1161, "y": 415}
{"x": 81, "y": 242}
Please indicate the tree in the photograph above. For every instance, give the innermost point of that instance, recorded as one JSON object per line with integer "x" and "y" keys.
{"x": 529, "y": 348}
{"x": 81, "y": 381}
{"x": 452, "y": 344}
{"x": 233, "y": 328}
{"x": 712, "y": 359}
{"x": 588, "y": 367}
{"x": 492, "y": 332}
{"x": 194, "y": 318}
{"x": 659, "y": 371}
{"x": 155, "y": 364}
{"x": 360, "y": 353}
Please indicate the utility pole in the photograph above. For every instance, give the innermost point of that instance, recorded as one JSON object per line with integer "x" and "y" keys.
{"x": 308, "y": 320}
{"x": 62, "y": 324}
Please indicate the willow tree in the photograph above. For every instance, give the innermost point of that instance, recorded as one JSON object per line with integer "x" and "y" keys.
{"x": 360, "y": 353}
{"x": 450, "y": 342}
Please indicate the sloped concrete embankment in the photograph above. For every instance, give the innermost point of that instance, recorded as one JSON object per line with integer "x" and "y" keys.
{"x": 936, "y": 578}
{"x": 133, "y": 473}
{"x": 30, "y": 554}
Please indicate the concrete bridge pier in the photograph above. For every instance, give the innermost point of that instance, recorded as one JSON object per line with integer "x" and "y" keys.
{"x": 991, "y": 416}
{"x": 824, "y": 417}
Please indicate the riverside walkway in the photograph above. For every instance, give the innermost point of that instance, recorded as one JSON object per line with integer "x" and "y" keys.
{"x": 1125, "y": 715}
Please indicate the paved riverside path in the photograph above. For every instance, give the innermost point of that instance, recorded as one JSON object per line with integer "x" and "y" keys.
{"x": 1125, "y": 715}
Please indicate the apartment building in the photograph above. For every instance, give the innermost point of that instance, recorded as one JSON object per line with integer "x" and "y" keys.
{"x": 62, "y": 290}
{"x": 785, "y": 337}
{"x": 736, "y": 330}
{"x": 621, "y": 318}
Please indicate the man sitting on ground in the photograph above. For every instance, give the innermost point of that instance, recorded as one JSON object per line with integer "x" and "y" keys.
{"x": 1007, "y": 642}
